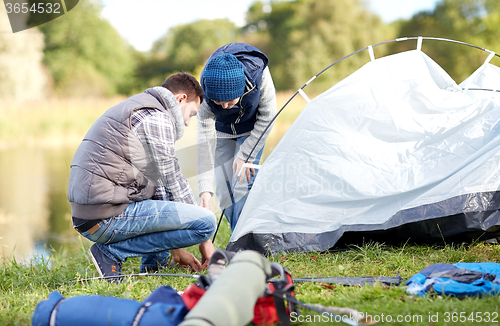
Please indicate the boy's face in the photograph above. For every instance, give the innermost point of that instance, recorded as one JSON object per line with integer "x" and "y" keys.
{"x": 227, "y": 104}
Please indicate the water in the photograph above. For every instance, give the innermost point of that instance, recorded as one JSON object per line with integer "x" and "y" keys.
{"x": 34, "y": 212}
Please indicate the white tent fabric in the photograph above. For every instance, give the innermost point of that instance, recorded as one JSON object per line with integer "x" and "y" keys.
{"x": 397, "y": 143}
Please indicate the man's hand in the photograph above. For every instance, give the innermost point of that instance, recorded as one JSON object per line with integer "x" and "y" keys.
{"x": 184, "y": 258}
{"x": 205, "y": 200}
{"x": 206, "y": 250}
{"x": 237, "y": 165}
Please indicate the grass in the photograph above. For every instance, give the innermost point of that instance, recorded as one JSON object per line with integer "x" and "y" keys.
{"x": 377, "y": 259}
{"x": 22, "y": 286}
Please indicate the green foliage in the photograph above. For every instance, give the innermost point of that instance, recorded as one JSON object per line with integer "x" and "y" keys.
{"x": 188, "y": 46}
{"x": 300, "y": 38}
{"x": 22, "y": 75}
{"x": 85, "y": 54}
{"x": 305, "y": 36}
{"x": 472, "y": 21}
{"x": 184, "y": 48}
{"x": 280, "y": 23}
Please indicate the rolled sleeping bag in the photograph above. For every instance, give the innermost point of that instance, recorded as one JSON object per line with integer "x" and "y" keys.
{"x": 231, "y": 298}
{"x": 163, "y": 307}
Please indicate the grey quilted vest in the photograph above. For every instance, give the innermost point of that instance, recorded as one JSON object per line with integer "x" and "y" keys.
{"x": 110, "y": 168}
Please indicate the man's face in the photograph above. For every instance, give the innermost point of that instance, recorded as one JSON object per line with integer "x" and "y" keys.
{"x": 189, "y": 109}
{"x": 227, "y": 104}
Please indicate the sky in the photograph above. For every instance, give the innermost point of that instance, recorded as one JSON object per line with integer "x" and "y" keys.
{"x": 141, "y": 22}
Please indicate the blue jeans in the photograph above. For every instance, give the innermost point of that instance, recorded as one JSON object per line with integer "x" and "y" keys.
{"x": 232, "y": 201}
{"x": 150, "y": 228}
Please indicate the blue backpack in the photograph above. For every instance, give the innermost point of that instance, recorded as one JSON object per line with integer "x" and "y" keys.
{"x": 163, "y": 307}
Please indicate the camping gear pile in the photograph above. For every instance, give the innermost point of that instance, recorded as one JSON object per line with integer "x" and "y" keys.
{"x": 248, "y": 289}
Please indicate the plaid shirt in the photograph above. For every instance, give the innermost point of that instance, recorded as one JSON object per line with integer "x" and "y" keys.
{"x": 155, "y": 130}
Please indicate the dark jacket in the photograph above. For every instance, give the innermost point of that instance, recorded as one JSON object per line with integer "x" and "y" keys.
{"x": 241, "y": 118}
{"x": 110, "y": 168}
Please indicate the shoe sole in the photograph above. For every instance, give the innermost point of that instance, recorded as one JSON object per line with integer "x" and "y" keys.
{"x": 94, "y": 261}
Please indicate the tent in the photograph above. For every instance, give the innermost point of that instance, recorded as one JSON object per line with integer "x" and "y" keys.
{"x": 395, "y": 151}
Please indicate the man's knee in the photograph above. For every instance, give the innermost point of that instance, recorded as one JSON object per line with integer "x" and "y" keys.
{"x": 207, "y": 217}
{"x": 211, "y": 220}
{"x": 209, "y": 225}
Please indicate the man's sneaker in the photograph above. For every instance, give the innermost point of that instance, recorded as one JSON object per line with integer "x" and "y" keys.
{"x": 105, "y": 265}
{"x": 152, "y": 263}
{"x": 155, "y": 269}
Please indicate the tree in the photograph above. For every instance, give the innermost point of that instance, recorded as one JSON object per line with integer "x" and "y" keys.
{"x": 85, "y": 55}
{"x": 185, "y": 48}
{"x": 472, "y": 21}
{"x": 306, "y": 36}
{"x": 274, "y": 26}
{"x": 22, "y": 75}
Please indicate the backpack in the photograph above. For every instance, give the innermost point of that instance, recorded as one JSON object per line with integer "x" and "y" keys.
{"x": 270, "y": 307}
{"x": 460, "y": 279}
{"x": 163, "y": 306}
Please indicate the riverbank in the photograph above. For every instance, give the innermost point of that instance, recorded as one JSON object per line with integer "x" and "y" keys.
{"x": 62, "y": 122}
{"x": 51, "y": 122}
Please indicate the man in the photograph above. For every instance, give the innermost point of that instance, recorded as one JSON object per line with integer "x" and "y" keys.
{"x": 240, "y": 102}
{"x": 126, "y": 189}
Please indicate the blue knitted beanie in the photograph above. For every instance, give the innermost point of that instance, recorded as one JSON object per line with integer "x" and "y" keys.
{"x": 224, "y": 78}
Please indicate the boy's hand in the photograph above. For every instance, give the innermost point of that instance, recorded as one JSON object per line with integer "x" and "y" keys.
{"x": 205, "y": 200}
{"x": 206, "y": 250}
{"x": 238, "y": 165}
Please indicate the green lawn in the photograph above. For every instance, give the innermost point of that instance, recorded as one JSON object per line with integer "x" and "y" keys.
{"x": 23, "y": 286}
